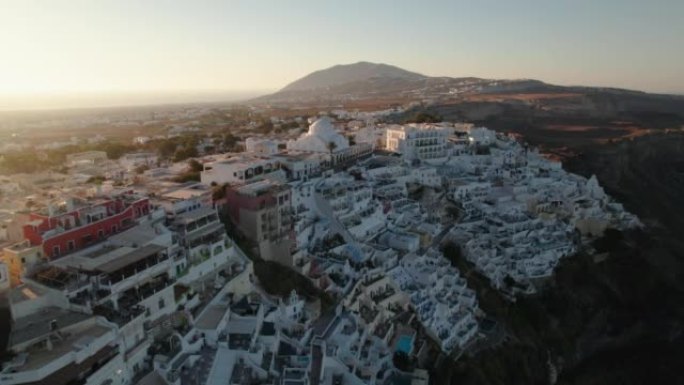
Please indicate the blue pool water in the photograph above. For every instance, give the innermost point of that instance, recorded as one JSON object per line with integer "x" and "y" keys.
{"x": 405, "y": 344}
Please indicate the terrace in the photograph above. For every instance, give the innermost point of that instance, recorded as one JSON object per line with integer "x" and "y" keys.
{"x": 131, "y": 264}
{"x": 60, "y": 279}
{"x": 133, "y": 296}
{"x": 121, "y": 316}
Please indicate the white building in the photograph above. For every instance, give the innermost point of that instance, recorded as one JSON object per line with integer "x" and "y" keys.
{"x": 141, "y": 140}
{"x": 131, "y": 161}
{"x": 299, "y": 166}
{"x": 183, "y": 198}
{"x": 86, "y": 158}
{"x": 54, "y": 345}
{"x": 481, "y": 135}
{"x": 4, "y": 277}
{"x": 322, "y": 138}
{"x": 261, "y": 146}
{"x": 419, "y": 141}
{"x": 242, "y": 169}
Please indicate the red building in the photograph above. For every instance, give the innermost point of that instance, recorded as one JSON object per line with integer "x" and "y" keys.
{"x": 79, "y": 224}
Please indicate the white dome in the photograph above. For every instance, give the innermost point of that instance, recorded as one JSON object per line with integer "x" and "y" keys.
{"x": 321, "y": 134}
{"x": 322, "y": 126}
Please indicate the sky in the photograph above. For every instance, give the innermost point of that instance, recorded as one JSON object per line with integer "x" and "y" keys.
{"x": 52, "y": 48}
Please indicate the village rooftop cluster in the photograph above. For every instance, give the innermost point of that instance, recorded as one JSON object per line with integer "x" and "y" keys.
{"x": 139, "y": 279}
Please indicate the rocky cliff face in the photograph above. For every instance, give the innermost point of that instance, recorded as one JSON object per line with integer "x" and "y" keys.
{"x": 618, "y": 320}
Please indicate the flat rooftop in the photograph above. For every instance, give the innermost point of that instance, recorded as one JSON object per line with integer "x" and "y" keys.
{"x": 131, "y": 257}
{"x": 193, "y": 215}
{"x": 210, "y": 318}
{"x": 244, "y": 160}
{"x": 295, "y": 156}
{"x": 108, "y": 258}
{"x": 260, "y": 187}
{"x": 26, "y": 292}
{"x": 136, "y": 235}
{"x": 38, "y": 324}
{"x": 242, "y": 326}
{"x": 185, "y": 191}
{"x": 71, "y": 342}
{"x": 20, "y": 246}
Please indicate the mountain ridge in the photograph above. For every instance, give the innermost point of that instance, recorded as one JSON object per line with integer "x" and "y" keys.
{"x": 366, "y": 80}
{"x": 347, "y": 73}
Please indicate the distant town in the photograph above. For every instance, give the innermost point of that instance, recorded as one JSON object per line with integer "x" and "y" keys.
{"x": 250, "y": 245}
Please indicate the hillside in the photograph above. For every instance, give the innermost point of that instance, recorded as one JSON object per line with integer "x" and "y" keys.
{"x": 350, "y": 73}
{"x": 377, "y": 85}
{"x": 372, "y": 81}
{"x": 600, "y": 321}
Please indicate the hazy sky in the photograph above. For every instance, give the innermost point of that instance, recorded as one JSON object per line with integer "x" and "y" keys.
{"x": 74, "y": 46}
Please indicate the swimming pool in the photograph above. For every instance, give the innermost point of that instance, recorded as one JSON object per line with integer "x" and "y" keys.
{"x": 405, "y": 344}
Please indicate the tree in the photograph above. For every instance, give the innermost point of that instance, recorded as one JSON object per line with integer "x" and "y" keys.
{"x": 401, "y": 361}
{"x": 265, "y": 127}
{"x": 229, "y": 141}
{"x": 218, "y": 192}
{"x": 167, "y": 148}
{"x": 195, "y": 166}
{"x": 424, "y": 117}
{"x": 331, "y": 147}
{"x": 453, "y": 211}
{"x": 188, "y": 176}
{"x": 452, "y": 252}
{"x": 193, "y": 173}
{"x": 185, "y": 153}
{"x": 115, "y": 150}
{"x": 141, "y": 168}
{"x": 97, "y": 179}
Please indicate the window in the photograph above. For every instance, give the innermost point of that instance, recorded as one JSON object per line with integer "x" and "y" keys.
{"x": 100, "y": 233}
{"x": 161, "y": 303}
{"x": 71, "y": 246}
{"x": 114, "y": 229}
{"x": 55, "y": 251}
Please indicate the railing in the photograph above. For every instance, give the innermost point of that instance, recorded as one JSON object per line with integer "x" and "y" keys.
{"x": 150, "y": 271}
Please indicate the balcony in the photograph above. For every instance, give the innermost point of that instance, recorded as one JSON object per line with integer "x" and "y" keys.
{"x": 215, "y": 234}
{"x": 132, "y": 297}
{"x": 130, "y": 265}
{"x": 122, "y": 316}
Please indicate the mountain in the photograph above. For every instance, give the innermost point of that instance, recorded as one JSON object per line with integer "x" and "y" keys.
{"x": 510, "y": 105}
{"x": 350, "y": 73}
{"x": 365, "y": 80}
